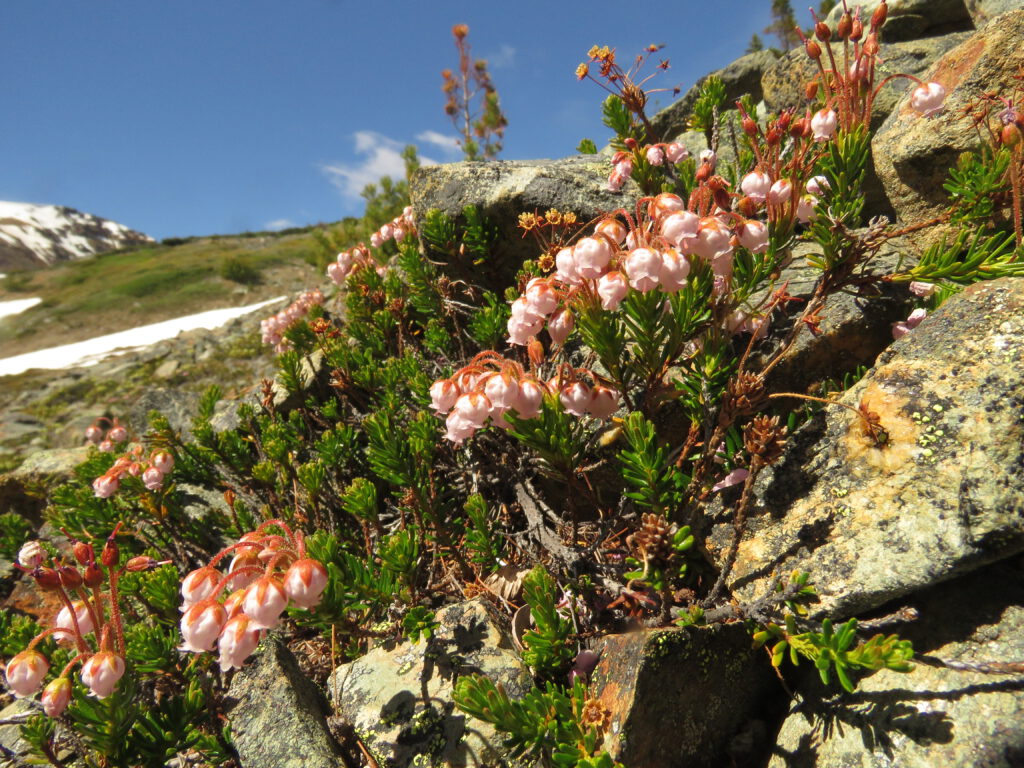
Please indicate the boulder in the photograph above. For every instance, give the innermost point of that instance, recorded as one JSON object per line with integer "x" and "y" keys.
{"x": 942, "y": 495}
{"x": 277, "y": 716}
{"x": 913, "y": 155}
{"x": 912, "y": 19}
{"x": 399, "y": 699}
{"x": 932, "y": 716}
{"x": 983, "y": 11}
{"x": 503, "y": 190}
{"x": 740, "y": 78}
{"x": 681, "y": 697}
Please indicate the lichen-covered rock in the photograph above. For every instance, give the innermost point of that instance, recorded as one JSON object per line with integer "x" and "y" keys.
{"x": 678, "y": 697}
{"x": 741, "y": 77}
{"x": 931, "y": 716}
{"x": 503, "y": 190}
{"x": 913, "y": 155}
{"x": 984, "y": 11}
{"x": 277, "y": 716}
{"x": 399, "y": 700}
{"x": 10, "y": 731}
{"x": 943, "y": 495}
{"x": 911, "y": 19}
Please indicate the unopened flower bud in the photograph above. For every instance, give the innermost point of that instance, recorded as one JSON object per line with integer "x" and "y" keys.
{"x": 25, "y": 672}
{"x": 141, "y": 563}
{"x": 56, "y": 696}
{"x": 630, "y": 143}
{"x": 305, "y": 581}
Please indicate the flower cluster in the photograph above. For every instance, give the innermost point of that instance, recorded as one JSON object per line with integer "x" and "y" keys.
{"x": 491, "y": 386}
{"x": 397, "y": 229}
{"x": 274, "y": 327}
{"x": 347, "y": 262}
{"x": 133, "y": 463}
{"x": 106, "y": 434}
{"x": 79, "y": 621}
{"x": 230, "y": 610}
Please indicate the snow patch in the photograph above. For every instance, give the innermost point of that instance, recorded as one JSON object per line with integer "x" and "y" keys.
{"x": 17, "y": 306}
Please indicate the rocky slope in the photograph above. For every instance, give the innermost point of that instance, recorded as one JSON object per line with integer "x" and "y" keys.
{"x": 34, "y": 236}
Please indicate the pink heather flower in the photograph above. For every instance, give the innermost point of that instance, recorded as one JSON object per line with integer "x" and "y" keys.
{"x": 459, "y": 429}
{"x": 624, "y": 166}
{"x": 643, "y": 268}
{"x": 94, "y": 435}
{"x": 805, "y": 209}
{"x": 679, "y": 227}
{"x": 708, "y": 156}
{"x": 64, "y": 622}
{"x": 824, "y": 124}
{"x": 612, "y": 289}
{"x": 502, "y": 391}
{"x": 102, "y": 672}
{"x": 336, "y": 273}
{"x": 613, "y": 229}
{"x": 264, "y": 602}
{"x": 386, "y": 232}
{"x": 237, "y": 641}
{"x": 735, "y": 477}
{"x": 903, "y": 327}
{"x": 31, "y": 554}
{"x": 153, "y": 479}
{"x": 575, "y": 398}
{"x": 859, "y": 68}
{"x": 531, "y": 396}
{"x": 199, "y": 585}
{"x": 616, "y": 181}
{"x": 713, "y": 239}
{"x": 233, "y": 603}
{"x": 376, "y": 240}
{"x": 560, "y": 326}
{"x": 541, "y": 297}
{"x": 664, "y": 204}
{"x": 474, "y": 407}
{"x": 565, "y": 267}
{"x": 443, "y": 394}
{"x": 25, "y": 672}
{"x": 591, "y": 256}
{"x": 755, "y": 185}
{"x": 118, "y": 434}
{"x": 244, "y": 562}
{"x": 674, "y": 269}
{"x": 200, "y": 626}
{"x": 107, "y": 446}
{"x": 604, "y": 401}
{"x": 163, "y": 461}
{"x": 927, "y": 99}
{"x": 398, "y": 232}
{"x": 676, "y": 152}
{"x": 523, "y": 311}
{"x": 781, "y": 192}
{"x": 105, "y": 486}
{"x": 817, "y": 184}
{"x": 924, "y": 290}
{"x": 655, "y": 155}
{"x": 520, "y": 331}
{"x": 56, "y": 696}
{"x": 305, "y": 581}
{"x": 754, "y": 236}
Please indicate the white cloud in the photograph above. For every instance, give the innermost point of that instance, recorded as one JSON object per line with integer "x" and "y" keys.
{"x": 279, "y": 224}
{"x": 448, "y": 144}
{"x": 382, "y": 156}
{"x": 505, "y": 58}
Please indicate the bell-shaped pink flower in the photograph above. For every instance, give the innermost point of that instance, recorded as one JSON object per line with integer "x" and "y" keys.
{"x": 153, "y": 479}
{"x": 305, "y": 581}
{"x": 676, "y": 152}
{"x": 664, "y": 204}
{"x": 474, "y": 407}
{"x": 560, "y": 325}
{"x": 63, "y": 621}
{"x": 163, "y": 461}
{"x": 903, "y": 327}
{"x": 655, "y": 155}
{"x": 674, "y": 269}
{"x": 565, "y": 267}
{"x": 94, "y": 434}
{"x": 264, "y": 602}
{"x": 101, "y": 673}
{"x": 708, "y": 156}
{"x": 243, "y": 569}
{"x": 713, "y": 239}
{"x": 199, "y": 585}
{"x": 118, "y": 434}
{"x": 233, "y": 602}
{"x": 459, "y": 428}
{"x": 643, "y": 268}
{"x": 591, "y": 256}
{"x": 679, "y": 227}
{"x": 805, "y": 209}
{"x": 927, "y": 99}
{"x": 531, "y": 396}
{"x": 824, "y": 124}
{"x": 237, "y": 641}
{"x": 521, "y": 331}
{"x": 56, "y": 696}
{"x": 200, "y": 626}
{"x": 753, "y": 236}
{"x": 335, "y": 273}
{"x": 443, "y": 394}
{"x": 781, "y": 192}
{"x": 817, "y": 184}
{"x": 105, "y": 486}
{"x": 25, "y": 672}
{"x": 613, "y": 229}
{"x": 755, "y": 185}
{"x": 604, "y": 401}
{"x": 612, "y": 288}
{"x": 917, "y": 287}
{"x": 502, "y": 391}
{"x": 575, "y": 398}
{"x": 31, "y": 554}
{"x": 541, "y": 297}
{"x": 376, "y": 240}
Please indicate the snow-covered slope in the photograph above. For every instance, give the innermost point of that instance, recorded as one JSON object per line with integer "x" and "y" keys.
{"x": 39, "y": 235}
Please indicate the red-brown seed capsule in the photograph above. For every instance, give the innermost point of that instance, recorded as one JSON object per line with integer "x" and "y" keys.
{"x": 1010, "y": 135}
{"x": 845, "y": 25}
{"x": 83, "y": 553}
{"x": 704, "y": 172}
{"x": 878, "y": 17}
{"x": 722, "y": 199}
{"x": 813, "y": 49}
{"x": 822, "y": 32}
{"x": 784, "y": 120}
{"x": 857, "y": 31}
{"x": 93, "y": 576}
{"x": 774, "y": 135}
{"x": 111, "y": 553}
{"x": 69, "y": 577}
{"x": 46, "y": 578}
{"x": 811, "y": 90}
{"x": 749, "y": 126}
{"x": 747, "y": 207}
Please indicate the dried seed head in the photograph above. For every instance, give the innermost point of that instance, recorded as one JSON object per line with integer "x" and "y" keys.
{"x": 653, "y": 541}
{"x": 764, "y": 438}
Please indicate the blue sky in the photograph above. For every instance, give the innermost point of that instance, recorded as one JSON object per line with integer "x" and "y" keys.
{"x": 187, "y": 117}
